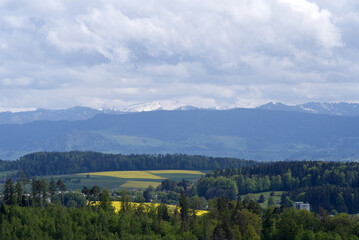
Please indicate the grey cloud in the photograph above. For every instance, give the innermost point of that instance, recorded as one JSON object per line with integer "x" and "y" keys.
{"x": 109, "y": 53}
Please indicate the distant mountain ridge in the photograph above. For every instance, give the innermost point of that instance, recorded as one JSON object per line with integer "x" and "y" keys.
{"x": 71, "y": 114}
{"x": 84, "y": 113}
{"x": 77, "y": 113}
{"x": 255, "y": 134}
{"x": 338, "y": 109}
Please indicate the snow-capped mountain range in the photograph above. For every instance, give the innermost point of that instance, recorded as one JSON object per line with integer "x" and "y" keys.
{"x": 83, "y": 113}
{"x": 151, "y": 106}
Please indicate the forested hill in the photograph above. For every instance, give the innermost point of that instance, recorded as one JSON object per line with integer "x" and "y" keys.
{"x": 54, "y": 163}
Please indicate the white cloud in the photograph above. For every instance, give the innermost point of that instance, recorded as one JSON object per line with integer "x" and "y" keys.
{"x": 233, "y": 52}
{"x": 16, "y": 82}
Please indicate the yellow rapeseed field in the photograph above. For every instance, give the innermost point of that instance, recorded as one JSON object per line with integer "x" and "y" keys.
{"x": 126, "y": 174}
{"x": 175, "y": 171}
{"x": 148, "y": 206}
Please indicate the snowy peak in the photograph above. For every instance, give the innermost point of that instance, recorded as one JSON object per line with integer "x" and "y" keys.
{"x": 337, "y": 109}
{"x": 141, "y": 107}
{"x": 186, "y": 108}
{"x": 276, "y": 106}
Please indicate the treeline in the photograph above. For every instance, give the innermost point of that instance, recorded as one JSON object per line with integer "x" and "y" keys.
{"x": 56, "y": 163}
{"x": 329, "y": 185}
{"x": 294, "y": 174}
{"x": 226, "y": 220}
{"x": 42, "y": 194}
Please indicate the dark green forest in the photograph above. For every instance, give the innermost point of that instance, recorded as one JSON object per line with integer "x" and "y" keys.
{"x": 226, "y": 219}
{"x": 44, "y": 209}
{"x": 56, "y": 163}
{"x": 49, "y": 211}
{"x": 330, "y": 185}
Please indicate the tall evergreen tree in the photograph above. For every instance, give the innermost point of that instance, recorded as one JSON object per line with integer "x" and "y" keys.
{"x": 9, "y": 192}
{"x": 62, "y": 187}
{"x": 44, "y": 191}
{"x": 19, "y": 192}
{"x": 52, "y": 187}
{"x": 183, "y": 203}
{"x": 36, "y": 192}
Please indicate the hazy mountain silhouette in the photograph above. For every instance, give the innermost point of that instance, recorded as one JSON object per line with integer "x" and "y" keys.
{"x": 246, "y": 133}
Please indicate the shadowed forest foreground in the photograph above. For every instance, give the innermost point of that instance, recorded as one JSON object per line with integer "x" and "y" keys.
{"x": 226, "y": 220}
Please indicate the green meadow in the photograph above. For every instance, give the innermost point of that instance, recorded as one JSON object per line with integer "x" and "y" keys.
{"x": 255, "y": 196}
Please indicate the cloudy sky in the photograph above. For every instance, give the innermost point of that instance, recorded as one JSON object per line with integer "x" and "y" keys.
{"x": 112, "y": 53}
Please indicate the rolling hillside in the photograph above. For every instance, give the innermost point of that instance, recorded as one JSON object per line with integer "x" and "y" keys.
{"x": 245, "y": 133}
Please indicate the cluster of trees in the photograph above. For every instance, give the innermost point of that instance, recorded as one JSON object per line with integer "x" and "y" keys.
{"x": 169, "y": 192}
{"x": 56, "y": 163}
{"x": 330, "y": 185}
{"x": 289, "y": 223}
{"x": 42, "y": 193}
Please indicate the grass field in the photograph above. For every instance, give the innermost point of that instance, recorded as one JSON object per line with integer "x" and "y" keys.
{"x": 75, "y": 181}
{"x": 256, "y": 196}
{"x": 7, "y": 173}
{"x": 139, "y": 184}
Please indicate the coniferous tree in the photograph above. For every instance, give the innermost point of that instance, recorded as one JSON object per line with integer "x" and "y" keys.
{"x": 261, "y": 199}
{"x": 24, "y": 181}
{"x": 62, "y": 187}
{"x": 183, "y": 203}
{"x": 19, "y": 193}
{"x": 36, "y": 192}
{"x": 44, "y": 191}
{"x": 52, "y": 187}
{"x": 9, "y": 192}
